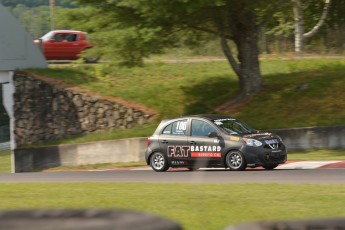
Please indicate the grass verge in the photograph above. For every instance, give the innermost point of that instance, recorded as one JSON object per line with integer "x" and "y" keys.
{"x": 195, "y": 206}
{"x": 100, "y": 166}
{"x": 318, "y": 155}
{"x": 5, "y": 161}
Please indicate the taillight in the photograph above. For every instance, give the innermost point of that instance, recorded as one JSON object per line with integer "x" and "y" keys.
{"x": 148, "y": 142}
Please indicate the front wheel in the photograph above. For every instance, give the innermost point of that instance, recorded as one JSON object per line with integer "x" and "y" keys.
{"x": 235, "y": 161}
{"x": 158, "y": 162}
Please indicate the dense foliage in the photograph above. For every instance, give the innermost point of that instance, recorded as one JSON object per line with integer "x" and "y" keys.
{"x": 276, "y": 35}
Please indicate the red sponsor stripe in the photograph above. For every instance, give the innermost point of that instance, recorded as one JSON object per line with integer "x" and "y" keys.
{"x": 206, "y": 154}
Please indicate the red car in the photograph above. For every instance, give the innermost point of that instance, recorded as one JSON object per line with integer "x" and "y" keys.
{"x": 64, "y": 45}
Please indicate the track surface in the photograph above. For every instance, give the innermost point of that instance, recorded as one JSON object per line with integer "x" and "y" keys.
{"x": 285, "y": 176}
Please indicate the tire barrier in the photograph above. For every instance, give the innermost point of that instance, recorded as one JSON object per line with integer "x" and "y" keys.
{"x": 83, "y": 220}
{"x": 321, "y": 224}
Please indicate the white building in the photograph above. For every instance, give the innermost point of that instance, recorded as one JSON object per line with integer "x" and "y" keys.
{"x": 17, "y": 51}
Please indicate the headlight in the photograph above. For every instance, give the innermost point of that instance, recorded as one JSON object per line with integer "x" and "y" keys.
{"x": 252, "y": 142}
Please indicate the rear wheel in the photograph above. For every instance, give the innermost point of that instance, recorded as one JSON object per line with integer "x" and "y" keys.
{"x": 91, "y": 59}
{"x": 235, "y": 161}
{"x": 158, "y": 162}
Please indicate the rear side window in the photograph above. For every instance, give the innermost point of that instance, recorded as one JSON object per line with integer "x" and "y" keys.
{"x": 176, "y": 128}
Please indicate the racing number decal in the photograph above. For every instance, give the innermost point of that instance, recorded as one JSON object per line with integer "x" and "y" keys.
{"x": 181, "y": 126}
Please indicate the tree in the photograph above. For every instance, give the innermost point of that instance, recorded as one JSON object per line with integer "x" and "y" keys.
{"x": 35, "y": 19}
{"x": 300, "y": 35}
{"x": 134, "y": 29}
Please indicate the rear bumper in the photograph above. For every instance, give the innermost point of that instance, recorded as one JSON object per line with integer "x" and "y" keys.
{"x": 148, "y": 153}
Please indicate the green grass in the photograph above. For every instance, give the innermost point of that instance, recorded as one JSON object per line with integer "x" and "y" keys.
{"x": 317, "y": 155}
{"x": 195, "y": 206}
{"x": 99, "y": 166}
{"x": 178, "y": 89}
{"x": 137, "y": 131}
{"x": 303, "y": 93}
{"x": 297, "y": 93}
{"x": 5, "y": 161}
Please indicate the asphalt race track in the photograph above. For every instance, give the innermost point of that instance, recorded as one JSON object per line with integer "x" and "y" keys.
{"x": 285, "y": 176}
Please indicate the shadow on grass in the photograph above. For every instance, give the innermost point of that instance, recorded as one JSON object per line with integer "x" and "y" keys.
{"x": 207, "y": 95}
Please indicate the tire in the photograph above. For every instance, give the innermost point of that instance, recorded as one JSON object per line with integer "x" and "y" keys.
{"x": 158, "y": 162}
{"x": 235, "y": 161}
{"x": 91, "y": 59}
{"x": 270, "y": 166}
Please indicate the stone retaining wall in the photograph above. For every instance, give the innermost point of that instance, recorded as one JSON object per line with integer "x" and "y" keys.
{"x": 51, "y": 110}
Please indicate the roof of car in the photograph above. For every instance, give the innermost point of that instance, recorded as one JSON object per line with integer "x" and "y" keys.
{"x": 67, "y": 31}
{"x": 210, "y": 117}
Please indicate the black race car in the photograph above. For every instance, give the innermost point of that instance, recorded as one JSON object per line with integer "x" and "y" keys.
{"x": 212, "y": 141}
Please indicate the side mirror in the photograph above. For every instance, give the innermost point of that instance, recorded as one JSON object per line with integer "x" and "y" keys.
{"x": 212, "y": 134}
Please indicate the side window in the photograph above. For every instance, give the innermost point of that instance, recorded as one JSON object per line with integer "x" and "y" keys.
{"x": 176, "y": 128}
{"x": 71, "y": 37}
{"x": 58, "y": 37}
{"x": 167, "y": 130}
{"x": 201, "y": 128}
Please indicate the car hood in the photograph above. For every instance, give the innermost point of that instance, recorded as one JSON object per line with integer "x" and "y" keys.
{"x": 260, "y": 136}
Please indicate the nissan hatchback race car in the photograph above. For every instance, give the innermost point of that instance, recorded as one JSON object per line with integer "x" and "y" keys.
{"x": 212, "y": 141}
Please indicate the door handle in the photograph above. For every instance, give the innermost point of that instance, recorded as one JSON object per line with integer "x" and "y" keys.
{"x": 192, "y": 142}
{"x": 164, "y": 141}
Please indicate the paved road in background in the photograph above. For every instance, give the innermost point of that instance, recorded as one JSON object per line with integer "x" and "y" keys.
{"x": 283, "y": 176}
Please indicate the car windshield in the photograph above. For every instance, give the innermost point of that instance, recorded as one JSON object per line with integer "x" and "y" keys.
{"x": 47, "y": 36}
{"x": 233, "y": 126}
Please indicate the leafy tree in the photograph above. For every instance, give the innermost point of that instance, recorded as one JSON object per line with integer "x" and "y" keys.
{"x": 36, "y": 19}
{"x": 134, "y": 29}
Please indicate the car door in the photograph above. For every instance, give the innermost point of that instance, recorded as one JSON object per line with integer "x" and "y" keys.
{"x": 204, "y": 150}
{"x": 173, "y": 143}
{"x": 62, "y": 46}
{"x": 73, "y": 46}
{"x": 52, "y": 46}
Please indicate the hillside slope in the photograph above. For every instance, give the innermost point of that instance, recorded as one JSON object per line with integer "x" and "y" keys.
{"x": 297, "y": 93}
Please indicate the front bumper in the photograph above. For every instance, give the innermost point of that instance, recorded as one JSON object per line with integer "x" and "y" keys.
{"x": 261, "y": 156}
